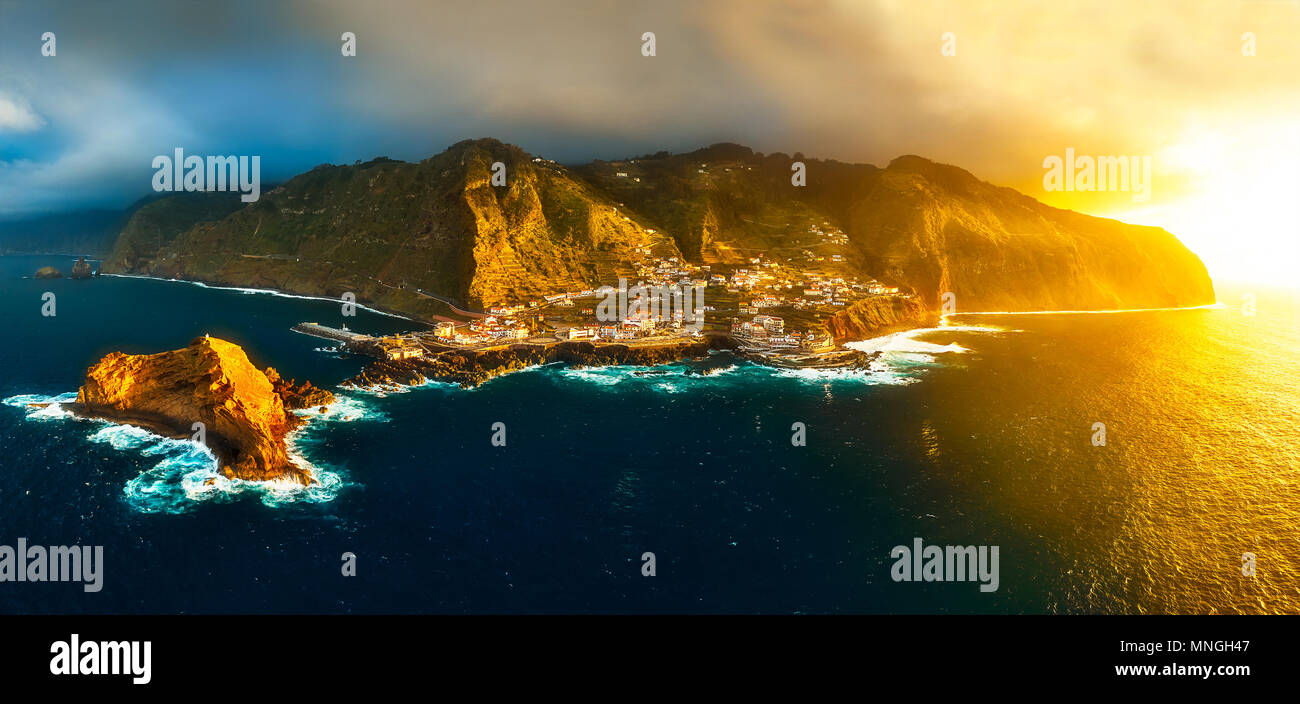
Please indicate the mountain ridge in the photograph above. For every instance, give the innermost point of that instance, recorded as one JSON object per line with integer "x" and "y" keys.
{"x": 394, "y": 233}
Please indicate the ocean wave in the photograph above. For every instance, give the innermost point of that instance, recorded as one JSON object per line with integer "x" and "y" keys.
{"x": 385, "y": 390}
{"x": 345, "y": 409}
{"x": 601, "y": 376}
{"x": 903, "y": 343}
{"x": 677, "y": 378}
{"x": 187, "y": 473}
{"x": 1206, "y": 306}
{"x": 50, "y": 406}
{"x": 874, "y": 375}
{"x": 187, "y": 476}
{"x": 722, "y": 371}
{"x": 263, "y": 291}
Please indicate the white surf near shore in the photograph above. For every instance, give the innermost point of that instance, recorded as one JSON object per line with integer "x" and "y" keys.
{"x": 1207, "y": 306}
{"x": 263, "y": 291}
{"x": 906, "y": 343}
{"x": 186, "y": 473}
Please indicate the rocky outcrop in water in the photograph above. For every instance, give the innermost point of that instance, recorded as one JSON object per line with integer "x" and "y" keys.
{"x": 297, "y": 396}
{"x": 81, "y": 270}
{"x": 48, "y": 272}
{"x": 470, "y": 368}
{"x": 212, "y": 382}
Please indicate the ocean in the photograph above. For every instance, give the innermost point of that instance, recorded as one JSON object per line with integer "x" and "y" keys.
{"x": 980, "y": 434}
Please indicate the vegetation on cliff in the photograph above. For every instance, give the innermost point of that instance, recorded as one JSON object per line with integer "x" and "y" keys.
{"x": 412, "y": 237}
{"x": 391, "y": 232}
{"x": 155, "y": 224}
{"x": 926, "y": 227}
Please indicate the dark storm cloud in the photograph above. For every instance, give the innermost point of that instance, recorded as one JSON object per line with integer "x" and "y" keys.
{"x": 858, "y": 81}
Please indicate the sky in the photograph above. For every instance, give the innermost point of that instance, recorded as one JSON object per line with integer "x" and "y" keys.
{"x": 1209, "y": 90}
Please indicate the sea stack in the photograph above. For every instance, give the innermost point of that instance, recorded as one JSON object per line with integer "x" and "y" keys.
{"x": 48, "y": 272}
{"x": 245, "y": 419}
{"x": 81, "y": 270}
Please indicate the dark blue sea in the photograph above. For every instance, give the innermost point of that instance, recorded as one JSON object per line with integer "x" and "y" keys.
{"x": 980, "y": 434}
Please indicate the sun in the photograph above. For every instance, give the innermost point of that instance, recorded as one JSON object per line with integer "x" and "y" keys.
{"x": 1236, "y": 202}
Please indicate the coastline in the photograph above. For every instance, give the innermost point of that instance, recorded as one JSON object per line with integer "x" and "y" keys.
{"x": 189, "y": 472}
{"x": 1204, "y": 306}
{"x": 471, "y": 368}
{"x": 269, "y": 292}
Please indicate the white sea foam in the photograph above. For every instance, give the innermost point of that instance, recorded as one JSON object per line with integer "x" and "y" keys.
{"x": 723, "y": 371}
{"x": 187, "y": 473}
{"x": 129, "y": 437}
{"x": 345, "y": 408}
{"x": 51, "y": 406}
{"x": 875, "y": 375}
{"x": 384, "y": 390}
{"x": 906, "y": 342}
{"x": 599, "y": 375}
{"x": 674, "y": 379}
{"x": 1207, "y": 306}
{"x": 265, "y": 291}
{"x": 902, "y": 354}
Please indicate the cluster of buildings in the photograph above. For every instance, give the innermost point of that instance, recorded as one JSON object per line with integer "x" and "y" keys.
{"x": 622, "y": 332}
{"x": 395, "y": 347}
{"x": 769, "y": 331}
{"x": 385, "y": 347}
{"x": 483, "y": 330}
{"x": 812, "y": 291}
{"x": 829, "y": 235}
{"x": 657, "y": 317}
{"x": 666, "y": 272}
{"x": 763, "y": 283}
{"x": 558, "y": 299}
{"x": 823, "y": 290}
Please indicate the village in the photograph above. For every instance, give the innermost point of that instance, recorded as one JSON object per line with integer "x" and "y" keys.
{"x": 770, "y": 304}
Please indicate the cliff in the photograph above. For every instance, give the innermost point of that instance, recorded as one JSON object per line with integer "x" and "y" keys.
{"x": 407, "y": 237}
{"x": 926, "y": 227}
{"x": 415, "y": 237}
{"x": 939, "y": 229}
{"x": 873, "y": 317}
{"x": 211, "y": 381}
{"x": 155, "y": 223}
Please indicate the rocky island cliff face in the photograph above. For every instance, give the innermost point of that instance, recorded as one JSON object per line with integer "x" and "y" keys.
{"x": 394, "y": 232}
{"x": 244, "y": 411}
{"x": 81, "y": 270}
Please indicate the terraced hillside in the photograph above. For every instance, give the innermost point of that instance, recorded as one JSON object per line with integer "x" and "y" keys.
{"x": 407, "y": 236}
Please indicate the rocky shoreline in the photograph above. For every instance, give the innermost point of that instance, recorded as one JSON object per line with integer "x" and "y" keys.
{"x": 471, "y": 368}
